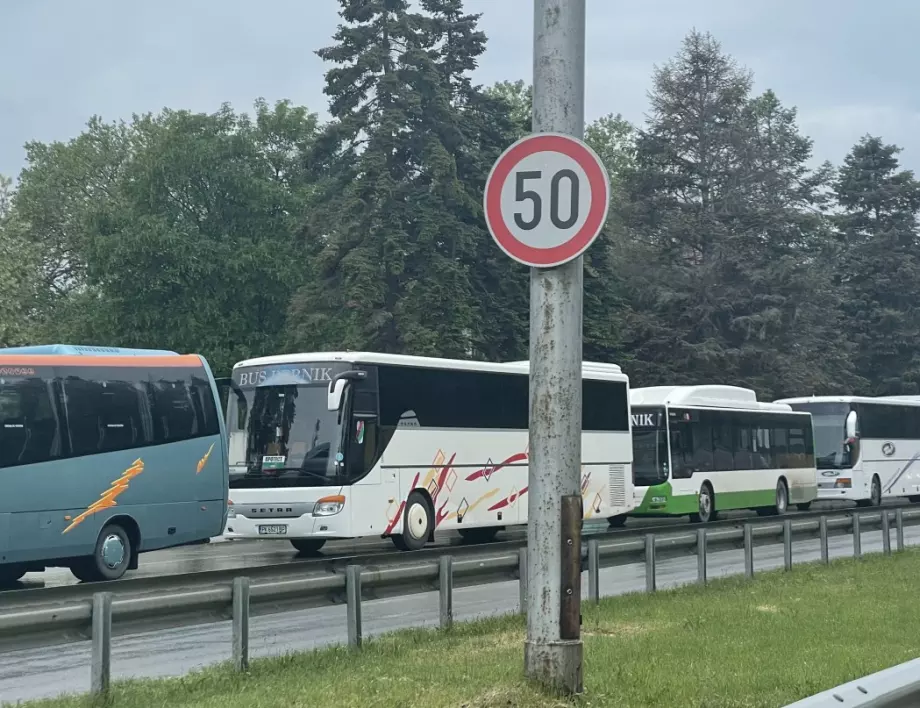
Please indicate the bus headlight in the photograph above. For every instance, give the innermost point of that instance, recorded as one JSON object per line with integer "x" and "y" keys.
{"x": 329, "y": 506}
{"x": 844, "y": 482}
{"x": 231, "y": 512}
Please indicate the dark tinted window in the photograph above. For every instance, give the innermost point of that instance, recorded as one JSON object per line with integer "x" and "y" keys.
{"x": 723, "y": 441}
{"x": 888, "y": 422}
{"x": 182, "y": 404}
{"x": 30, "y": 431}
{"x": 473, "y": 399}
{"x": 106, "y": 410}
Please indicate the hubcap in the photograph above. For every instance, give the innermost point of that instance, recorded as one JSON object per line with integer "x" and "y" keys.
{"x": 705, "y": 503}
{"x": 113, "y": 551}
{"x": 417, "y": 520}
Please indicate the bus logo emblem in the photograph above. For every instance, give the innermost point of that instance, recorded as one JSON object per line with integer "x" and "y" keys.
{"x": 888, "y": 449}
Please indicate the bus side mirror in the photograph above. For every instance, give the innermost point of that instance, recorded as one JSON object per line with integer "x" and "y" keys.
{"x": 337, "y": 388}
{"x": 851, "y": 425}
{"x": 334, "y": 396}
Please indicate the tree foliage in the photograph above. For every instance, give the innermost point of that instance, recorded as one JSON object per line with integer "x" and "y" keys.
{"x": 727, "y": 255}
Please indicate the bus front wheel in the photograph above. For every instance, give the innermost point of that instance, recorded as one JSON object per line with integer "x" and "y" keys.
{"x": 417, "y": 524}
{"x": 308, "y": 545}
{"x": 707, "y": 506}
{"x": 110, "y": 558}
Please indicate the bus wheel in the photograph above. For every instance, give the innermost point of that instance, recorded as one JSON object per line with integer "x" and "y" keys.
{"x": 417, "y": 524}
{"x": 804, "y": 506}
{"x": 707, "y": 506}
{"x": 782, "y": 498}
{"x": 308, "y": 545}
{"x": 480, "y": 535}
{"x": 617, "y": 521}
{"x": 914, "y": 499}
{"x": 110, "y": 558}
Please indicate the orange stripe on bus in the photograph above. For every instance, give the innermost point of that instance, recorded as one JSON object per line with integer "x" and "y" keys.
{"x": 137, "y": 362}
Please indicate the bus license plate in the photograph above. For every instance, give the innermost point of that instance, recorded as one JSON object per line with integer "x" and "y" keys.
{"x": 273, "y": 530}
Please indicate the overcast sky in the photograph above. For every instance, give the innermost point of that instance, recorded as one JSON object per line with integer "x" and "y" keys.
{"x": 850, "y": 66}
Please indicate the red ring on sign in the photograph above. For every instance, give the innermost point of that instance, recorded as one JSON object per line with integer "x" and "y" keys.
{"x": 600, "y": 197}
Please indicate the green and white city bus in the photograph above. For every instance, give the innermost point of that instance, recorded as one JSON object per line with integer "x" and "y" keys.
{"x": 699, "y": 450}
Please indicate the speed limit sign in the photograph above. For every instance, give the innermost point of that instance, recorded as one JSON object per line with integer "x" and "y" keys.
{"x": 546, "y": 199}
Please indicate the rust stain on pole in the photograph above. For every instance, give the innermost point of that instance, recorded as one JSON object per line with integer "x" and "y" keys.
{"x": 570, "y": 606}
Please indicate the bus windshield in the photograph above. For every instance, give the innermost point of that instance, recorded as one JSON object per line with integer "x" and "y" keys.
{"x": 281, "y": 432}
{"x": 829, "y": 421}
{"x": 650, "y": 446}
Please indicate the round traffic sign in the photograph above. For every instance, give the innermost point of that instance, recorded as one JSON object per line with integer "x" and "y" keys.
{"x": 546, "y": 199}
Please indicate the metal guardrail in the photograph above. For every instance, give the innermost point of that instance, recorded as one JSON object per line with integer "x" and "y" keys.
{"x": 94, "y": 618}
{"x": 299, "y": 565}
{"x": 897, "y": 687}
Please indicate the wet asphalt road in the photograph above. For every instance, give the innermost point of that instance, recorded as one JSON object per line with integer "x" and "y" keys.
{"x": 222, "y": 554}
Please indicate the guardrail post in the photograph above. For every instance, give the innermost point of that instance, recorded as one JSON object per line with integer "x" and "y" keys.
{"x": 446, "y": 588}
{"x": 886, "y": 533}
{"x": 822, "y": 533}
{"x": 701, "y": 555}
{"x": 857, "y": 537}
{"x": 748, "y": 551}
{"x": 899, "y": 528}
{"x": 102, "y": 644}
{"x": 522, "y": 578}
{"x": 650, "y": 562}
{"x": 594, "y": 571}
{"x": 241, "y": 624}
{"x": 353, "y": 597}
{"x": 787, "y": 545}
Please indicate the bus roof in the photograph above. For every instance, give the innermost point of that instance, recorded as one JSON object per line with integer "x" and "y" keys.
{"x": 84, "y": 350}
{"x": 878, "y": 400}
{"x": 590, "y": 369}
{"x": 702, "y": 396}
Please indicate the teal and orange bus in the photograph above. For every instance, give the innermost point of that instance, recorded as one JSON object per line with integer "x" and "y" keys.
{"x": 106, "y": 453}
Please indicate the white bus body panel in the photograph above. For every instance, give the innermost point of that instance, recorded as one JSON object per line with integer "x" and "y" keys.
{"x": 475, "y": 478}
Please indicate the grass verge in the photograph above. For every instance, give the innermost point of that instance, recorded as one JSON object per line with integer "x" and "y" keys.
{"x": 737, "y": 643}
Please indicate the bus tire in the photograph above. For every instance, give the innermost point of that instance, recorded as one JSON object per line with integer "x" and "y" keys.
{"x": 782, "y": 498}
{"x": 308, "y": 545}
{"x": 803, "y": 506}
{"x": 418, "y": 522}
{"x": 110, "y": 558}
{"x": 616, "y": 522}
{"x": 914, "y": 499}
{"x": 483, "y": 534}
{"x": 707, "y": 506}
{"x": 875, "y": 492}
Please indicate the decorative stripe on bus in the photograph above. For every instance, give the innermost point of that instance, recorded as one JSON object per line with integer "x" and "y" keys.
{"x": 204, "y": 460}
{"x": 107, "y": 498}
{"x": 134, "y": 362}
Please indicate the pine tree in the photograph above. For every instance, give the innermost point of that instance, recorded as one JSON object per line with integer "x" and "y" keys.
{"x": 879, "y": 270}
{"x": 725, "y": 275}
{"x": 391, "y": 273}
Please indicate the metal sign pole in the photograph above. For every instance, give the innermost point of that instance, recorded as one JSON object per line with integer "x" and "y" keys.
{"x": 555, "y": 369}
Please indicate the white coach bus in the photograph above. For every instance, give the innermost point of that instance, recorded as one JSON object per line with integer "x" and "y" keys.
{"x": 346, "y": 445}
{"x": 699, "y": 450}
{"x": 866, "y": 448}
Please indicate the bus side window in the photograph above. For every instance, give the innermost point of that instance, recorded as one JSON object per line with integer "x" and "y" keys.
{"x": 681, "y": 450}
{"x": 363, "y": 446}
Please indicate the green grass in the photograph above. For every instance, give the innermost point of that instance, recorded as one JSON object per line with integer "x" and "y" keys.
{"x": 766, "y": 642}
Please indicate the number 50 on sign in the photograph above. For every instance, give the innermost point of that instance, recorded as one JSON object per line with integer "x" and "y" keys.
{"x": 546, "y": 199}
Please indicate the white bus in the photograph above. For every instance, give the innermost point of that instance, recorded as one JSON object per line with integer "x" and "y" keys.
{"x": 699, "y": 450}
{"x": 866, "y": 448}
{"x": 346, "y": 445}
